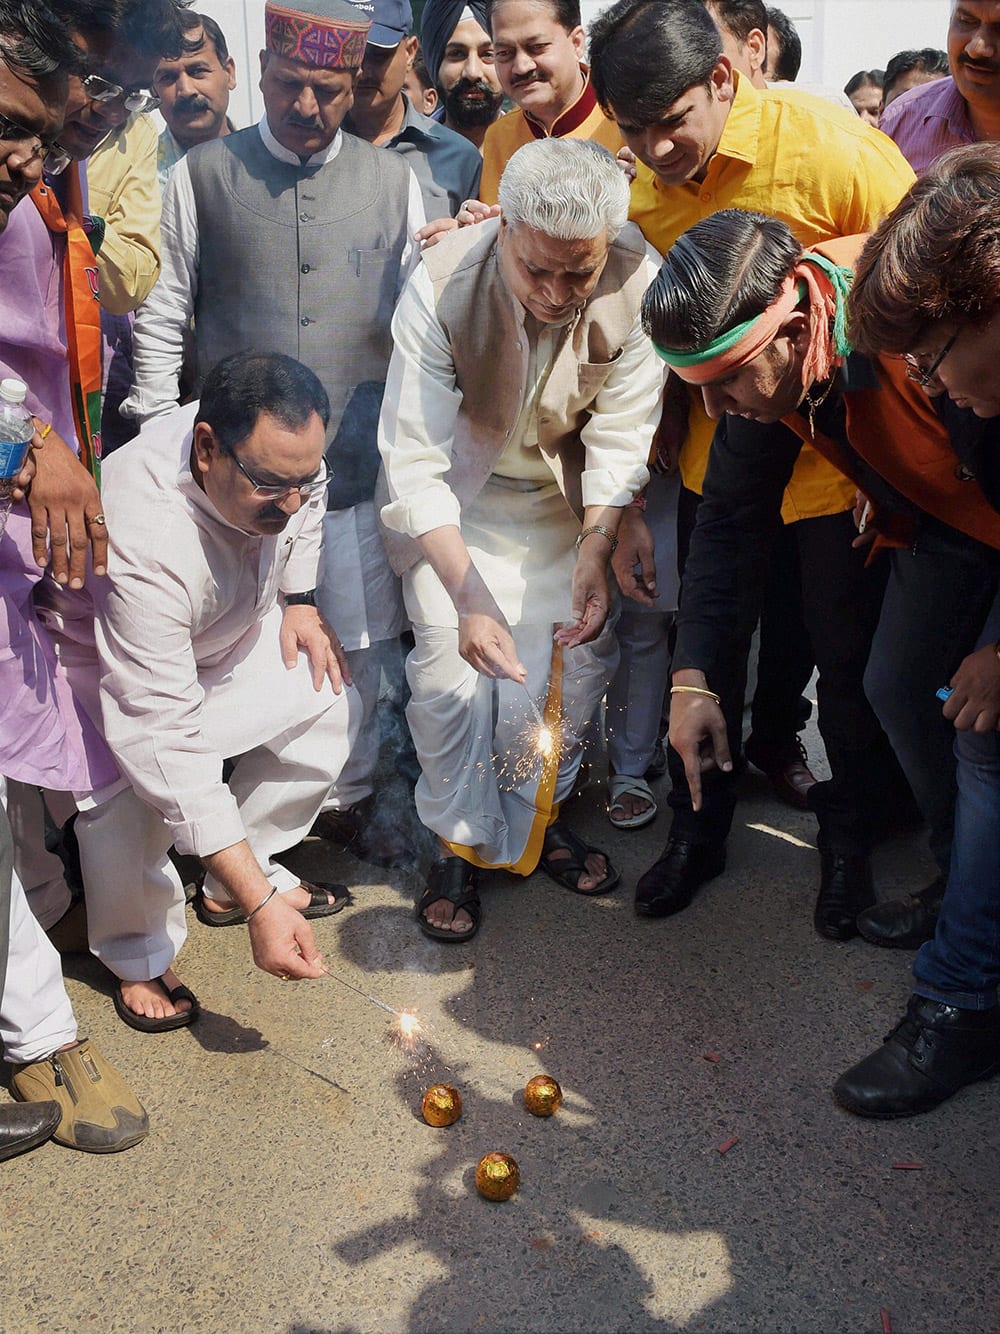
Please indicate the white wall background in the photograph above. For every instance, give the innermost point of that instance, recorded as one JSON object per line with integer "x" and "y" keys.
{"x": 839, "y": 37}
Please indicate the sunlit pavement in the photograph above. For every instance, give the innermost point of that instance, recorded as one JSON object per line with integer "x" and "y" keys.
{"x": 289, "y": 1183}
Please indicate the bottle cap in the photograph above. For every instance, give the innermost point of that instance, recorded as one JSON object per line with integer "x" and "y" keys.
{"x": 14, "y": 391}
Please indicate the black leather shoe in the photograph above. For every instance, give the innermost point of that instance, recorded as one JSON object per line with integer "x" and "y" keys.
{"x": 786, "y": 767}
{"x": 25, "y": 1125}
{"x": 358, "y": 829}
{"x": 845, "y": 889}
{"x": 672, "y": 882}
{"x": 931, "y": 1053}
{"x": 903, "y": 924}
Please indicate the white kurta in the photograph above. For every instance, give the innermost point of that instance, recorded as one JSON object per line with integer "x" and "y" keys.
{"x": 192, "y": 674}
{"x": 485, "y": 789}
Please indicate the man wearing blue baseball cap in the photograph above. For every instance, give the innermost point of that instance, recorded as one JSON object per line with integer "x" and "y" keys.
{"x": 446, "y": 165}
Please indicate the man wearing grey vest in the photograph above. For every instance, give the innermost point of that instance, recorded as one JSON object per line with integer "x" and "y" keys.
{"x": 294, "y": 237}
{"x": 520, "y": 407}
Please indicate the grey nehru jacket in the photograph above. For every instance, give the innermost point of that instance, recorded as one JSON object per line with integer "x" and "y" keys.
{"x": 305, "y": 260}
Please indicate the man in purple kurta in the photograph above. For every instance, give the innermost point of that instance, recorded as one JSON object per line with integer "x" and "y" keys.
{"x": 44, "y": 737}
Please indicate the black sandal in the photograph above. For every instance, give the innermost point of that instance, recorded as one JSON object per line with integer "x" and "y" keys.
{"x": 568, "y": 870}
{"x": 453, "y": 879}
{"x": 144, "y": 1024}
{"x": 318, "y": 905}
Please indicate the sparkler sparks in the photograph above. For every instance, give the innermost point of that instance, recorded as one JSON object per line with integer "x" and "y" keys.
{"x": 406, "y": 1028}
{"x": 530, "y": 750}
{"x": 406, "y": 1031}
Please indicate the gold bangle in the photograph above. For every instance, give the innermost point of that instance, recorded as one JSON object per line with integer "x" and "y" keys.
{"x": 695, "y": 690}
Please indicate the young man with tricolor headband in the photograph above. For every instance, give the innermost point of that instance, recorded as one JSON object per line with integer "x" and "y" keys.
{"x": 705, "y": 140}
{"x": 759, "y": 329}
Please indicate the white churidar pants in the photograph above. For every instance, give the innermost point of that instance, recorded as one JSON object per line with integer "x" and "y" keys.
{"x": 36, "y": 1017}
{"x": 41, "y": 872}
{"x": 292, "y": 742}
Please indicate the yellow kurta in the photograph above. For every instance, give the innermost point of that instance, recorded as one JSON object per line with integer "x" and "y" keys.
{"x": 583, "y": 120}
{"x": 819, "y": 169}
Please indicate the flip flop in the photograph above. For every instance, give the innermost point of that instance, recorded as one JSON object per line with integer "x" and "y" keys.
{"x": 568, "y": 870}
{"x": 318, "y": 906}
{"x": 625, "y": 785}
{"x": 146, "y": 1025}
{"x": 453, "y": 879}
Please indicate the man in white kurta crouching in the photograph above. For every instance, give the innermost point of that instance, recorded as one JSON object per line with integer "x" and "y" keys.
{"x": 211, "y": 647}
{"x": 520, "y": 405}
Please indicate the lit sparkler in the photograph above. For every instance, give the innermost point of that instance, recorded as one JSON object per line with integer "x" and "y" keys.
{"x": 545, "y": 739}
{"x": 406, "y": 1028}
{"x": 406, "y": 1031}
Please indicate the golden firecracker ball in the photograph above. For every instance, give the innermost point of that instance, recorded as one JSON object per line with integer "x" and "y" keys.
{"x": 441, "y": 1106}
{"x": 542, "y": 1095}
{"x": 497, "y": 1176}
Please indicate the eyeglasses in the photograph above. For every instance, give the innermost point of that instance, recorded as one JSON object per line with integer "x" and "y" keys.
{"x": 103, "y": 90}
{"x": 54, "y": 156}
{"x": 270, "y": 492}
{"x": 916, "y": 372}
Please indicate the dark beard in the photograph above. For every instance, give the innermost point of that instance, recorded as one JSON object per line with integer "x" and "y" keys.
{"x": 471, "y": 114}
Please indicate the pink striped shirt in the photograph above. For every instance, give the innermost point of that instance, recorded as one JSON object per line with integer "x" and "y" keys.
{"x": 928, "y": 120}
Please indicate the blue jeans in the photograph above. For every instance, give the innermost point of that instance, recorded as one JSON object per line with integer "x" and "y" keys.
{"x": 939, "y": 595}
{"x": 961, "y": 965}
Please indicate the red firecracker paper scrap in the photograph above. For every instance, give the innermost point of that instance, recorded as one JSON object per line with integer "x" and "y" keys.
{"x": 710, "y": 1056}
{"x": 886, "y": 1321}
{"x": 905, "y": 1165}
{"x": 728, "y": 1144}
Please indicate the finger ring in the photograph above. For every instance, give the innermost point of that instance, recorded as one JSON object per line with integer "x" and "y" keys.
{"x": 284, "y": 977}
{"x": 99, "y": 518}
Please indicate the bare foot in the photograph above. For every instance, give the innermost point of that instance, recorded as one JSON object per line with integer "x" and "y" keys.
{"x": 441, "y": 912}
{"x": 299, "y": 898}
{"x": 628, "y": 806}
{"x": 595, "y": 862}
{"x": 149, "y": 998}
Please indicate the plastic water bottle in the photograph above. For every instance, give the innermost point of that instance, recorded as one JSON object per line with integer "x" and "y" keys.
{"x": 16, "y": 431}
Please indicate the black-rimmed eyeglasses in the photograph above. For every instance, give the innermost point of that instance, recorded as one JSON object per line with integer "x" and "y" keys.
{"x": 54, "y": 156}
{"x": 916, "y": 372}
{"x": 268, "y": 491}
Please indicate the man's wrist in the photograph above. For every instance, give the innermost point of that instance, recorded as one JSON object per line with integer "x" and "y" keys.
{"x": 689, "y": 676}
{"x": 609, "y": 539}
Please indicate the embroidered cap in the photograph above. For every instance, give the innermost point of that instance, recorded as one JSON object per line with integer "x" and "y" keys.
{"x": 391, "y": 21}
{"x": 328, "y": 34}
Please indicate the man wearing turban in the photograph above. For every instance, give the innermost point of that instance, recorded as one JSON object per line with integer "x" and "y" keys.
{"x": 458, "y": 53}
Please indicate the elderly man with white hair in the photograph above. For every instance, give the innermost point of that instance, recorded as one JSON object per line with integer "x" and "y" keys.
{"x": 520, "y": 406}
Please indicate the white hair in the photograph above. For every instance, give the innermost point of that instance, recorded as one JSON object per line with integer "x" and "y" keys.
{"x": 570, "y": 189}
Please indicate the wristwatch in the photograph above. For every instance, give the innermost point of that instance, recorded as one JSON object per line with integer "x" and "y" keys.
{"x": 301, "y": 599}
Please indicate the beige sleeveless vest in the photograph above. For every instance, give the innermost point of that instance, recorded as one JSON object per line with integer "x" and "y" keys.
{"x": 490, "y": 353}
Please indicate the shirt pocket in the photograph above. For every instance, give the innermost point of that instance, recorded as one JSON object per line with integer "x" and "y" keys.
{"x": 591, "y": 375}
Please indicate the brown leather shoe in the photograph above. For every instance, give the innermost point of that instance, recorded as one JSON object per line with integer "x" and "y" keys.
{"x": 786, "y": 767}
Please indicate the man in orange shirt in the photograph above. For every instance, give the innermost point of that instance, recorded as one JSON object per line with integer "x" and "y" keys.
{"x": 538, "y": 50}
